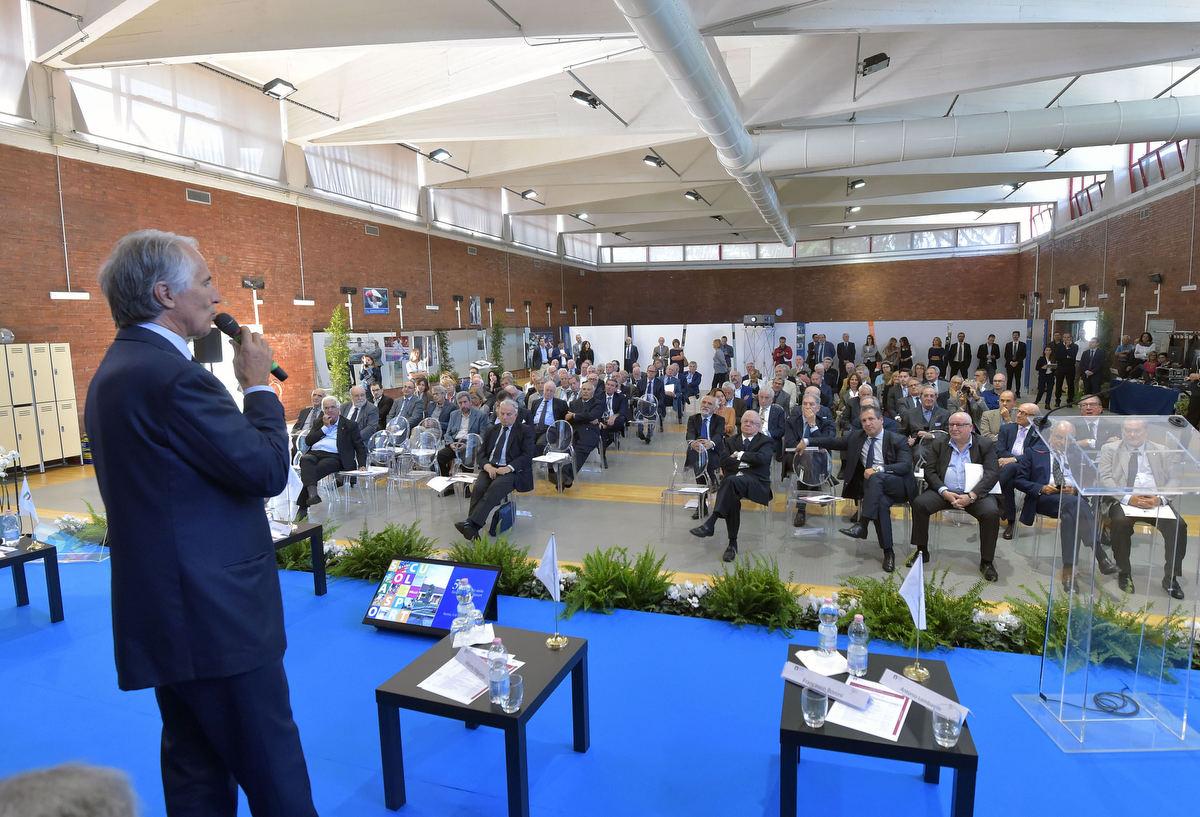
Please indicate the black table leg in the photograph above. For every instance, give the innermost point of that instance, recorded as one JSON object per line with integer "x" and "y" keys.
{"x": 789, "y": 756}
{"x": 962, "y": 801}
{"x": 933, "y": 773}
{"x": 53, "y": 588}
{"x": 516, "y": 765}
{"x": 579, "y": 705}
{"x": 19, "y": 585}
{"x": 317, "y": 544}
{"x": 392, "y": 752}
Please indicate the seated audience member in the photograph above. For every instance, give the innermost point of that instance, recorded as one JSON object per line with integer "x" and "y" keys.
{"x": 691, "y": 382}
{"x": 383, "y": 404}
{"x": 442, "y": 407}
{"x": 782, "y": 373}
{"x": 1144, "y": 351}
{"x": 1011, "y": 443}
{"x": 805, "y": 421}
{"x": 851, "y": 405}
{"x": 818, "y": 380}
{"x": 1123, "y": 355}
{"x": 1093, "y": 428}
{"x": 410, "y": 407}
{"x": 309, "y": 416}
{"x": 747, "y": 469}
{"x": 773, "y": 419}
{"x": 920, "y": 423}
{"x": 897, "y": 401}
{"x": 1048, "y": 492}
{"x": 673, "y": 391}
{"x": 334, "y": 445}
{"x": 725, "y": 407}
{"x": 960, "y": 396}
{"x": 547, "y": 410}
{"x": 933, "y": 378}
{"x": 1144, "y": 469}
{"x": 888, "y": 423}
{"x": 918, "y": 373}
{"x": 613, "y": 417}
{"x": 583, "y": 413}
{"x": 361, "y": 411}
{"x": 705, "y": 432}
{"x": 466, "y": 420}
{"x": 991, "y": 397}
{"x": 877, "y": 468}
{"x": 650, "y": 386}
{"x": 946, "y": 475}
{"x": 991, "y": 420}
{"x": 509, "y": 467}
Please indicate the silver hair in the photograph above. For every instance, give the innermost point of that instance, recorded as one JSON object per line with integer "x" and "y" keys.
{"x": 330, "y": 399}
{"x": 460, "y": 395}
{"x": 437, "y": 389}
{"x": 930, "y": 387}
{"x": 72, "y": 788}
{"x": 138, "y": 262}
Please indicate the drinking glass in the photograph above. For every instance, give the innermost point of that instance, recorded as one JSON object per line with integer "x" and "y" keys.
{"x": 814, "y": 704}
{"x": 516, "y": 691}
{"x": 947, "y": 725}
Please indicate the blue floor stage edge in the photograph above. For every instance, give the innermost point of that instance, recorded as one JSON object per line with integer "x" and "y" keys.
{"x": 684, "y": 719}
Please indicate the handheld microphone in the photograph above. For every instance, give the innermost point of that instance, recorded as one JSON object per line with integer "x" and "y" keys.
{"x": 230, "y": 327}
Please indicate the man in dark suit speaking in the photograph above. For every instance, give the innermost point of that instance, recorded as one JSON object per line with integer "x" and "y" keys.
{"x": 197, "y": 612}
{"x": 509, "y": 467}
{"x": 747, "y": 467}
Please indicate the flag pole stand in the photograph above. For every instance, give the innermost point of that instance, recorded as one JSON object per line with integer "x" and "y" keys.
{"x": 556, "y": 641}
{"x": 914, "y": 671}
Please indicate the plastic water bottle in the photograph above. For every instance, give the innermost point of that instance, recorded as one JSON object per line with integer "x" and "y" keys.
{"x": 467, "y": 614}
{"x": 827, "y": 630}
{"x": 11, "y": 527}
{"x": 856, "y": 655}
{"x": 497, "y": 672}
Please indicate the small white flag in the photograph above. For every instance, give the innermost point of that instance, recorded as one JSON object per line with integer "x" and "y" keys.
{"x": 547, "y": 571}
{"x": 25, "y": 501}
{"x": 913, "y": 592}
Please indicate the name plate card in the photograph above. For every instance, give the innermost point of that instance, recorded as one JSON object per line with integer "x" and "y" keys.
{"x": 796, "y": 674}
{"x": 920, "y": 694}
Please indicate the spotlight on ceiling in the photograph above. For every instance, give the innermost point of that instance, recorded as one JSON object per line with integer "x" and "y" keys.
{"x": 692, "y": 195}
{"x": 851, "y": 226}
{"x": 873, "y": 63}
{"x": 529, "y": 194}
{"x": 581, "y": 216}
{"x": 856, "y": 184}
{"x": 439, "y": 155}
{"x": 1010, "y": 187}
{"x": 650, "y": 160}
{"x": 853, "y": 209}
{"x": 279, "y": 88}
{"x": 584, "y": 98}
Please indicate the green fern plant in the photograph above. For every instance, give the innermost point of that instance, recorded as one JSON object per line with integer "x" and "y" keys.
{"x": 516, "y": 568}
{"x": 370, "y": 555}
{"x": 754, "y": 593}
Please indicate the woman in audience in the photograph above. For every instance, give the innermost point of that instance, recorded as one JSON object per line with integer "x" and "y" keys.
{"x": 720, "y": 367}
{"x": 906, "y": 354}
{"x": 676, "y": 355}
{"x": 939, "y": 356}
{"x": 883, "y": 380}
{"x": 749, "y": 389}
{"x": 724, "y": 409}
{"x": 1143, "y": 350}
{"x": 871, "y": 356}
{"x": 891, "y": 354}
{"x": 586, "y": 353}
{"x": 918, "y": 372}
{"x": 493, "y": 383}
{"x": 1045, "y": 375}
{"x": 850, "y": 387}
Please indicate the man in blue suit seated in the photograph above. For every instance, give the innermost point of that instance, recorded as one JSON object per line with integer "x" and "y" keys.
{"x": 334, "y": 445}
{"x": 747, "y": 468}
{"x": 197, "y": 611}
{"x": 509, "y": 468}
{"x": 691, "y": 382}
{"x": 1048, "y": 492}
{"x": 467, "y": 420}
{"x": 1011, "y": 442}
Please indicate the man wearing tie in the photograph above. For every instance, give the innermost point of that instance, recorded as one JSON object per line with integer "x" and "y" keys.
{"x": 547, "y": 410}
{"x": 705, "y": 432}
{"x": 825, "y": 350}
{"x": 583, "y": 413}
{"x": 613, "y": 417}
{"x": 1011, "y": 442}
{"x": 773, "y": 419}
{"x": 509, "y": 468}
{"x": 747, "y": 468}
{"x": 878, "y": 469}
{"x": 1092, "y": 364}
{"x": 1014, "y": 362}
{"x": 845, "y": 351}
{"x": 1093, "y": 430}
{"x": 1143, "y": 469}
{"x": 362, "y": 412}
{"x": 1065, "y": 353}
{"x": 410, "y": 407}
{"x": 808, "y": 419}
{"x": 661, "y": 353}
{"x": 673, "y": 391}
{"x": 651, "y": 386}
{"x": 988, "y": 354}
{"x": 960, "y": 357}
{"x": 691, "y": 382}
{"x": 631, "y": 354}
{"x": 919, "y": 423}
{"x": 467, "y": 420}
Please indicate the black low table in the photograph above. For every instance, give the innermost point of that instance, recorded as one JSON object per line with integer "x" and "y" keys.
{"x": 544, "y": 669}
{"x": 916, "y": 743}
{"x": 316, "y": 538}
{"x": 49, "y": 556}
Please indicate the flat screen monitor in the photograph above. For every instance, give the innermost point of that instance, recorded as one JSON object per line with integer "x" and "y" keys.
{"x": 417, "y": 595}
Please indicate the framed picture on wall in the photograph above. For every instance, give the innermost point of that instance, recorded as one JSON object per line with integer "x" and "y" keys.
{"x": 375, "y": 301}
{"x": 475, "y": 312}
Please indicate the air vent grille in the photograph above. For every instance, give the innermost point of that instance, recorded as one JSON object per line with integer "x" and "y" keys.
{"x": 198, "y": 196}
{"x": 372, "y": 229}
{"x": 472, "y": 251}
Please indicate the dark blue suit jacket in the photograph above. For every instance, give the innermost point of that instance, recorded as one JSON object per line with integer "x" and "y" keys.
{"x": 1007, "y": 436}
{"x": 183, "y": 474}
{"x": 518, "y": 451}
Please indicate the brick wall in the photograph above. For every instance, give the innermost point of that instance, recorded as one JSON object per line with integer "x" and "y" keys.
{"x": 245, "y": 236}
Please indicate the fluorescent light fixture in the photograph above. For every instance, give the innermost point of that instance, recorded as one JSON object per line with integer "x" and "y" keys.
{"x": 529, "y": 194}
{"x": 303, "y": 302}
{"x": 279, "y": 88}
{"x": 857, "y": 184}
{"x": 692, "y": 195}
{"x": 854, "y": 208}
{"x": 439, "y": 155}
{"x": 584, "y": 98}
{"x": 581, "y": 216}
{"x": 851, "y": 226}
{"x": 1011, "y": 187}
{"x": 873, "y": 63}
{"x": 650, "y": 160}
{"x": 75, "y": 295}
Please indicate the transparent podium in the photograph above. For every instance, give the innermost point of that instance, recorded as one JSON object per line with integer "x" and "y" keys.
{"x": 1116, "y": 662}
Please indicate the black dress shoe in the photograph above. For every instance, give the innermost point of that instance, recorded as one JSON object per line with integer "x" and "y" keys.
{"x": 696, "y": 514}
{"x": 702, "y": 530}
{"x": 1171, "y": 585}
{"x": 1125, "y": 582}
{"x": 730, "y": 553}
{"x": 467, "y": 529}
{"x": 889, "y": 560}
{"x": 858, "y": 531}
{"x": 988, "y": 571}
{"x": 912, "y": 559}
{"x": 800, "y": 518}
{"x": 1106, "y": 564}
{"x": 1008, "y": 530}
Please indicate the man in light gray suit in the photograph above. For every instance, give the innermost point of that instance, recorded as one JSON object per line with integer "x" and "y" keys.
{"x": 992, "y": 419}
{"x": 359, "y": 410}
{"x": 409, "y": 406}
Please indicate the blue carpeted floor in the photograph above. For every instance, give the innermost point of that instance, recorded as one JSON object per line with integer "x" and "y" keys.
{"x": 684, "y": 718}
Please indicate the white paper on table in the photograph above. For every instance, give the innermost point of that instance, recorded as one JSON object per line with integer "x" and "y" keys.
{"x": 552, "y": 457}
{"x": 454, "y": 681}
{"x": 922, "y": 695}
{"x": 279, "y": 529}
{"x": 832, "y": 664}
{"x": 6, "y": 549}
{"x": 1159, "y": 512}
{"x": 475, "y": 635}
{"x": 883, "y": 717}
{"x": 802, "y": 676}
{"x": 439, "y": 484}
{"x": 692, "y": 489}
